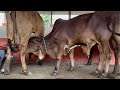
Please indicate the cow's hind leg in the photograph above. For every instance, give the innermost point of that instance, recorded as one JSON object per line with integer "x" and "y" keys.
{"x": 71, "y": 55}
{"x": 99, "y": 68}
{"x": 107, "y": 58}
{"x": 90, "y": 57}
{"x": 24, "y": 66}
{"x": 116, "y": 66}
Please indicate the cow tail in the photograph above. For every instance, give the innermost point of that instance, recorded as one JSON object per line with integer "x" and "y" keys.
{"x": 12, "y": 46}
{"x": 109, "y": 21}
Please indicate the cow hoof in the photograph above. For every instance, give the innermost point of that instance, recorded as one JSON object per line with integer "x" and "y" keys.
{"x": 26, "y": 73}
{"x": 54, "y": 74}
{"x": 113, "y": 75}
{"x": 70, "y": 69}
{"x": 29, "y": 73}
{"x": 6, "y": 73}
{"x": 103, "y": 76}
{"x": 96, "y": 72}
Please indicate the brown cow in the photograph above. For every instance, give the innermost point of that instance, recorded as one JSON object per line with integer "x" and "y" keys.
{"x": 114, "y": 18}
{"x": 35, "y": 41}
{"x": 20, "y": 24}
{"x": 85, "y": 30}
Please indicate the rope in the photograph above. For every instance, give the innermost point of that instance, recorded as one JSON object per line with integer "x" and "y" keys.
{"x": 45, "y": 46}
{"x": 108, "y": 23}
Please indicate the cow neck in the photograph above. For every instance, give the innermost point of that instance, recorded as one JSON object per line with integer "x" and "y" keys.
{"x": 45, "y": 46}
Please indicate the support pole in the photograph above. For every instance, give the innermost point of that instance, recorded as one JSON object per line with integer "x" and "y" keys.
{"x": 51, "y": 17}
{"x": 69, "y": 14}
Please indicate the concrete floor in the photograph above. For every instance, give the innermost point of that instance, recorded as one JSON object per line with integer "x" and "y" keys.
{"x": 44, "y": 72}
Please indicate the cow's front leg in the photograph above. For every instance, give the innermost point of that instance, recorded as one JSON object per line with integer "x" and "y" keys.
{"x": 24, "y": 66}
{"x": 57, "y": 67}
{"x": 71, "y": 55}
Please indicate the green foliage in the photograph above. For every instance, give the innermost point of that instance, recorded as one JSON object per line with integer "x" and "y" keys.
{"x": 47, "y": 19}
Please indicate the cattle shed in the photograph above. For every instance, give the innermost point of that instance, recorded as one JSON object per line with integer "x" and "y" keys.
{"x": 49, "y": 18}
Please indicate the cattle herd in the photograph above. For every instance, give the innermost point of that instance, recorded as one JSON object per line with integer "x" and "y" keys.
{"x": 101, "y": 28}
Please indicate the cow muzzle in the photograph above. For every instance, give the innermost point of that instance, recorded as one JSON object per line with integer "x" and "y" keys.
{"x": 40, "y": 56}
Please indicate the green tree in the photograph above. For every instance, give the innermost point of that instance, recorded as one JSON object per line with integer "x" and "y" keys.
{"x": 47, "y": 19}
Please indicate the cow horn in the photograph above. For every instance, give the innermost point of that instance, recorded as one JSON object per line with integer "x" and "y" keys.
{"x": 73, "y": 47}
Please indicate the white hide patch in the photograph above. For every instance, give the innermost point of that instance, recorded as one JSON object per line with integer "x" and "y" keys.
{"x": 40, "y": 56}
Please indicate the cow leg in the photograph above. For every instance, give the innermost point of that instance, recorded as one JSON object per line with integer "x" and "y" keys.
{"x": 59, "y": 55}
{"x": 116, "y": 66}
{"x": 6, "y": 65}
{"x": 107, "y": 58}
{"x": 30, "y": 58}
{"x": 71, "y": 55}
{"x": 40, "y": 62}
{"x": 24, "y": 66}
{"x": 57, "y": 66}
{"x": 90, "y": 57}
{"x": 99, "y": 70}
